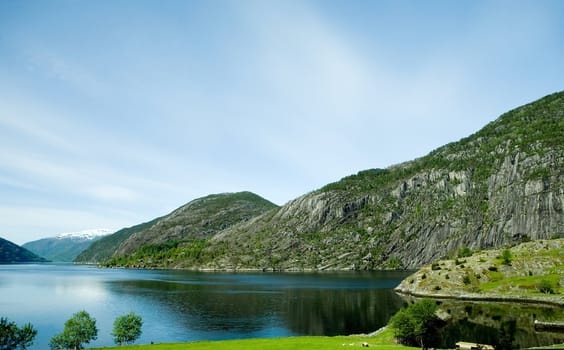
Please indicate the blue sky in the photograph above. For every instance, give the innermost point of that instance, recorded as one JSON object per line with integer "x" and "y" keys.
{"x": 115, "y": 112}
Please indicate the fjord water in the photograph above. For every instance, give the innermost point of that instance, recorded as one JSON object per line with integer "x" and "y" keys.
{"x": 179, "y": 306}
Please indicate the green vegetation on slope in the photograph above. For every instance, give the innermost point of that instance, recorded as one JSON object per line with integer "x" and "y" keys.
{"x": 178, "y": 239}
{"x": 496, "y": 187}
{"x": 161, "y": 255}
{"x": 104, "y": 248}
{"x": 531, "y": 129}
{"x": 11, "y": 253}
{"x": 534, "y": 270}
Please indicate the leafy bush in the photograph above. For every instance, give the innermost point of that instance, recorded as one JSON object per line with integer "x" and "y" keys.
{"x": 506, "y": 257}
{"x": 466, "y": 279}
{"x": 417, "y": 325}
{"x": 127, "y": 328}
{"x": 546, "y": 287}
{"x": 395, "y": 263}
{"x": 464, "y": 252}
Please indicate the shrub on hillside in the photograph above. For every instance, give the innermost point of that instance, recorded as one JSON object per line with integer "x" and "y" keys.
{"x": 546, "y": 287}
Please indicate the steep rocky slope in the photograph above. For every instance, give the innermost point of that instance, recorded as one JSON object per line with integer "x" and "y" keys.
{"x": 186, "y": 226}
{"x": 499, "y": 186}
{"x": 11, "y": 253}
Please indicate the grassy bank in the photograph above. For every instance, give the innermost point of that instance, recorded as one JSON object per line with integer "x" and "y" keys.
{"x": 382, "y": 341}
{"x": 528, "y": 272}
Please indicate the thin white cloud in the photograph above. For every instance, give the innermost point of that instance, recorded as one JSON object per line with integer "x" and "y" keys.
{"x": 281, "y": 97}
{"x": 31, "y": 122}
{"x": 112, "y": 193}
{"x": 56, "y": 66}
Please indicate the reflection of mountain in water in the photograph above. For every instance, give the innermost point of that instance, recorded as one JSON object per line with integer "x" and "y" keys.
{"x": 338, "y": 312}
{"x": 243, "y": 309}
{"x": 493, "y": 324}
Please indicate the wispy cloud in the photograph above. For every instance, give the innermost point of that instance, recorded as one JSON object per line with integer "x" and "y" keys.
{"x": 162, "y": 104}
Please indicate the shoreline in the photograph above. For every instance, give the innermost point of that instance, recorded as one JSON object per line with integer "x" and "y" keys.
{"x": 556, "y": 301}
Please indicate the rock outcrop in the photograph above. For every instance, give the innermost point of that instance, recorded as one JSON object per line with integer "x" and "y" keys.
{"x": 497, "y": 187}
{"x": 531, "y": 272}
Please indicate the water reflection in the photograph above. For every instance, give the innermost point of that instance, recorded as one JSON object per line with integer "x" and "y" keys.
{"x": 315, "y": 312}
{"x": 271, "y": 305}
{"x": 185, "y": 306}
{"x": 504, "y": 325}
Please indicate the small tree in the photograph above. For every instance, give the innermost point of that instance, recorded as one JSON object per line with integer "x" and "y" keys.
{"x": 417, "y": 325}
{"x": 14, "y": 337}
{"x": 506, "y": 257}
{"x": 79, "y": 329}
{"x": 464, "y": 252}
{"x": 127, "y": 328}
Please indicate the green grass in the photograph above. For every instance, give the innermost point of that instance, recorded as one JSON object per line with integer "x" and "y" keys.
{"x": 524, "y": 284}
{"x": 382, "y": 341}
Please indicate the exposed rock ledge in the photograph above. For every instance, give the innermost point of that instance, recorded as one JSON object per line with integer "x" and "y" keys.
{"x": 487, "y": 276}
{"x": 556, "y": 300}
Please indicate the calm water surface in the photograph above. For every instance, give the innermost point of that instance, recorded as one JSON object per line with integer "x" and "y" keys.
{"x": 186, "y": 306}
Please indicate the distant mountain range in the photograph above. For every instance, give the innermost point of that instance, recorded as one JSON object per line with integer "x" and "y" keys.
{"x": 66, "y": 246}
{"x": 11, "y": 253}
{"x": 497, "y": 187}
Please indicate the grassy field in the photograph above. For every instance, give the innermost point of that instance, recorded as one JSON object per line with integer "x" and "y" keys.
{"x": 382, "y": 341}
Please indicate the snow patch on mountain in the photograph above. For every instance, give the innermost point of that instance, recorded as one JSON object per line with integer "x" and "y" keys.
{"x": 86, "y": 234}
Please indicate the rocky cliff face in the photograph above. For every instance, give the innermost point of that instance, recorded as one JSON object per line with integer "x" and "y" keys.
{"x": 499, "y": 186}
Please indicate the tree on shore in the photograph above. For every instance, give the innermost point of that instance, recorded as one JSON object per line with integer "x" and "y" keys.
{"x": 14, "y": 337}
{"x": 79, "y": 329}
{"x": 417, "y": 325}
{"x": 127, "y": 328}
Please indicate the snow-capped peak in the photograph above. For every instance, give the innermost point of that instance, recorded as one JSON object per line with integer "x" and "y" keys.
{"x": 87, "y": 234}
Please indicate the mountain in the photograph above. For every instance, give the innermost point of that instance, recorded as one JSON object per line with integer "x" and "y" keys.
{"x": 66, "y": 246}
{"x": 187, "y": 226}
{"x": 11, "y": 253}
{"x": 104, "y": 248}
{"x": 499, "y": 186}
